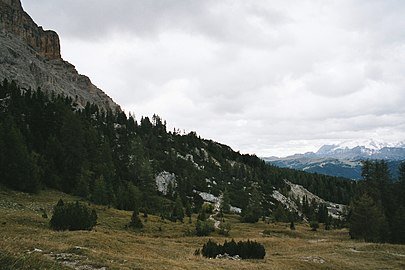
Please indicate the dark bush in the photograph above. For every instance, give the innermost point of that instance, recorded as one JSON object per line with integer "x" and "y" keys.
{"x": 250, "y": 217}
{"x": 210, "y": 249}
{"x": 245, "y": 249}
{"x": 72, "y": 217}
{"x": 204, "y": 228}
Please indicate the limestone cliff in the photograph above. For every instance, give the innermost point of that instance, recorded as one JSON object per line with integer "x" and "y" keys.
{"x": 31, "y": 56}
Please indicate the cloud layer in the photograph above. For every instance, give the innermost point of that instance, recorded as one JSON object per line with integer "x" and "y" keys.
{"x": 265, "y": 77}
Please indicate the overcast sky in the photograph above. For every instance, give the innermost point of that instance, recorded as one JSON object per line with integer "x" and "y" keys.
{"x": 265, "y": 77}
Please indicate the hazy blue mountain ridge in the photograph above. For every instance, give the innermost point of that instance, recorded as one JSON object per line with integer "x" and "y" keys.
{"x": 344, "y": 160}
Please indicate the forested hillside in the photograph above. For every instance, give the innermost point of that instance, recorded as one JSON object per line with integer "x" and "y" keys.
{"x": 113, "y": 159}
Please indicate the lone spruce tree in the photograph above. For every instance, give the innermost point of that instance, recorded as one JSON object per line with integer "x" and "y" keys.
{"x": 136, "y": 222}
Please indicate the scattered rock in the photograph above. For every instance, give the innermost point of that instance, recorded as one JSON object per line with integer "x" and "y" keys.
{"x": 317, "y": 240}
{"x": 35, "y": 250}
{"x": 228, "y": 257}
{"x": 73, "y": 261}
{"x": 314, "y": 259}
{"x": 11, "y": 205}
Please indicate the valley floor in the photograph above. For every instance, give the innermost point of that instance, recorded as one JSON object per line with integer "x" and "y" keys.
{"x": 26, "y": 242}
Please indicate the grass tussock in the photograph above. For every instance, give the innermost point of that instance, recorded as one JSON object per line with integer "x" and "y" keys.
{"x": 27, "y": 242}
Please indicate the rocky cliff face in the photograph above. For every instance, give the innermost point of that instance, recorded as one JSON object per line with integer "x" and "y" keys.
{"x": 31, "y": 56}
{"x": 14, "y": 20}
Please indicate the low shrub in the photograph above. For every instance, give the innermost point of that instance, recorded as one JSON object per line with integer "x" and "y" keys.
{"x": 72, "y": 216}
{"x": 314, "y": 225}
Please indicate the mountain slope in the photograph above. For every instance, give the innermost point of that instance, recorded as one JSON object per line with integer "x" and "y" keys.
{"x": 31, "y": 56}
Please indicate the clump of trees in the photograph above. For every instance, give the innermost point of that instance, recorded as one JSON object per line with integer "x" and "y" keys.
{"x": 377, "y": 212}
{"x": 72, "y": 216}
{"x": 244, "y": 249}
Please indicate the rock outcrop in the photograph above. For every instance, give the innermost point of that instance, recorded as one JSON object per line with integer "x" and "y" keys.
{"x": 31, "y": 56}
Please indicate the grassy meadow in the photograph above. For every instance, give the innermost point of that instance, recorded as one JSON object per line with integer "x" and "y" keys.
{"x": 27, "y": 242}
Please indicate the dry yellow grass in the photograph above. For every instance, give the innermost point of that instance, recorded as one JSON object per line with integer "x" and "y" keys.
{"x": 165, "y": 245}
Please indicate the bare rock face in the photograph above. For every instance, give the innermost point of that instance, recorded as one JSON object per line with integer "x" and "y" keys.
{"x": 31, "y": 56}
{"x": 15, "y": 21}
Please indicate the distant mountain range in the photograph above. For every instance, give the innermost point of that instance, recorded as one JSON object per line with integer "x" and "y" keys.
{"x": 344, "y": 159}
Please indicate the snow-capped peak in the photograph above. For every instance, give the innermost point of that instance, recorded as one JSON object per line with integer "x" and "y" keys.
{"x": 373, "y": 145}
{"x": 369, "y": 144}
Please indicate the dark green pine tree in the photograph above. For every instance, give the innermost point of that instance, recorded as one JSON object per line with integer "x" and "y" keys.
{"x": 53, "y": 167}
{"x": 398, "y": 226}
{"x": 135, "y": 220}
{"x": 18, "y": 168}
{"x": 99, "y": 194}
{"x": 401, "y": 184}
{"x": 328, "y": 223}
{"x": 225, "y": 204}
{"x": 367, "y": 220}
{"x": 322, "y": 213}
{"x": 188, "y": 209}
{"x": 292, "y": 226}
{"x": 74, "y": 154}
{"x": 398, "y": 220}
{"x": 253, "y": 211}
{"x": 129, "y": 197}
{"x": 83, "y": 184}
{"x": 376, "y": 178}
{"x": 178, "y": 211}
{"x": 280, "y": 213}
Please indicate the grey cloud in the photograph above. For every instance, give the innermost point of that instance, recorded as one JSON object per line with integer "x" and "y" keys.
{"x": 222, "y": 21}
{"x": 99, "y": 18}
